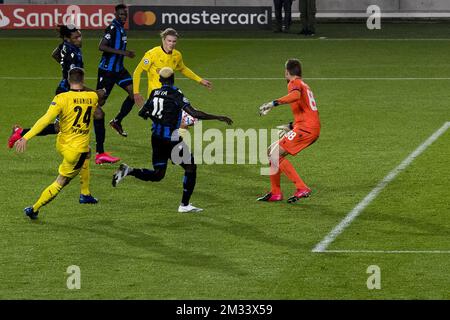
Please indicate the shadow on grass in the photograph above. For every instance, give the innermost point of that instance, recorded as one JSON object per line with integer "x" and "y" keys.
{"x": 153, "y": 244}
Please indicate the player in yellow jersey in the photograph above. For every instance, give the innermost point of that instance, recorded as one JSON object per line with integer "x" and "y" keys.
{"x": 76, "y": 110}
{"x": 164, "y": 56}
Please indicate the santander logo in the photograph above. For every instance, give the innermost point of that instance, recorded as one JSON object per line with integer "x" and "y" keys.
{"x": 4, "y": 20}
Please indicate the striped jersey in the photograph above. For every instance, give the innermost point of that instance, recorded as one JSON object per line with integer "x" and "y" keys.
{"x": 116, "y": 37}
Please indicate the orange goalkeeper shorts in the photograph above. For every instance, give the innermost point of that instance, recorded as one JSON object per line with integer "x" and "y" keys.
{"x": 298, "y": 139}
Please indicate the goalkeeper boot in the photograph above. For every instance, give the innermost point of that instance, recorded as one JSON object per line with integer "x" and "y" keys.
{"x": 300, "y": 193}
{"x": 30, "y": 213}
{"x": 188, "y": 208}
{"x": 16, "y": 135}
{"x": 121, "y": 173}
{"x": 116, "y": 125}
{"x": 269, "y": 197}
{"x": 105, "y": 157}
{"x": 88, "y": 199}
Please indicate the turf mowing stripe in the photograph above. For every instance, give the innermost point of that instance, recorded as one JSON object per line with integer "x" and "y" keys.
{"x": 248, "y": 78}
{"x": 389, "y": 251}
{"x": 322, "y": 245}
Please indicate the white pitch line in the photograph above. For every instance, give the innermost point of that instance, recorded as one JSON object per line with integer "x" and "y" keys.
{"x": 260, "y": 79}
{"x": 389, "y": 251}
{"x": 322, "y": 245}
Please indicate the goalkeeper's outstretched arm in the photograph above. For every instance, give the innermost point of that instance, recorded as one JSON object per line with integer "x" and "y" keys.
{"x": 289, "y": 98}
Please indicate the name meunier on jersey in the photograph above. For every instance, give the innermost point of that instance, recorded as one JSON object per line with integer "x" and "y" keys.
{"x": 165, "y": 107}
{"x": 117, "y": 38}
{"x": 83, "y": 100}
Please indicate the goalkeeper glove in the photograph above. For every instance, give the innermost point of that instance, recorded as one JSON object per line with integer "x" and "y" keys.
{"x": 283, "y": 129}
{"x": 266, "y": 107}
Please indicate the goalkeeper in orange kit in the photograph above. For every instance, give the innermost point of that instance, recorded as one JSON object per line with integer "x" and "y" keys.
{"x": 304, "y": 131}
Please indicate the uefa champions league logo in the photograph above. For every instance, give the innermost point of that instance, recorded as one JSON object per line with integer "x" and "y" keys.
{"x": 4, "y": 20}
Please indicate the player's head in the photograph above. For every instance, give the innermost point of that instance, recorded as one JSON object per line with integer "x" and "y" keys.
{"x": 169, "y": 39}
{"x": 121, "y": 13}
{"x": 76, "y": 76}
{"x": 71, "y": 34}
{"x": 166, "y": 76}
{"x": 293, "y": 68}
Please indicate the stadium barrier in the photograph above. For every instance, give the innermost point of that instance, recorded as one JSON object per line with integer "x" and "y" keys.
{"x": 140, "y": 17}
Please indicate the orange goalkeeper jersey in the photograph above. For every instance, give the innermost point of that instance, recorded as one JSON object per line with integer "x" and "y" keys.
{"x": 303, "y": 104}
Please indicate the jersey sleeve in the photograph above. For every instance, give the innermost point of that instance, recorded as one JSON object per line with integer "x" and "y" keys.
{"x": 294, "y": 85}
{"x": 68, "y": 58}
{"x": 294, "y": 93}
{"x": 54, "y": 109}
{"x": 109, "y": 35}
{"x": 182, "y": 100}
{"x": 186, "y": 71}
{"x": 144, "y": 65}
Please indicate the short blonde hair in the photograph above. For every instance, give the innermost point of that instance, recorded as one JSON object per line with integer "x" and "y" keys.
{"x": 166, "y": 72}
{"x": 169, "y": 32}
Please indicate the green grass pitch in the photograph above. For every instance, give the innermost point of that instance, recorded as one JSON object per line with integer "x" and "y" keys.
{"x": 134, "y": 245}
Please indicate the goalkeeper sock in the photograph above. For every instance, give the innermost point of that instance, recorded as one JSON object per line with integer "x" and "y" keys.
{"x": 85, "y": 177}
{"x": 275, "y": 175}
{"x": 287, "y": 168}
{"x": 47, "y": 195}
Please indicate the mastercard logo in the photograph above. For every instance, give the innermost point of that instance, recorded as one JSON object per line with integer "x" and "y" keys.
{"x": 146, "y": 18}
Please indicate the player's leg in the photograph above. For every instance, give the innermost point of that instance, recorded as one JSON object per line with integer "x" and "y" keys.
{"x": 104, "y": 80}
{"x": 275, "y": 193}
{"x": 69, "y": 168}
{"x": 311, "y": 16}
{"x": 18, "y": 132}
{"x": 293, "y": 142}
{"x": 47, "y": 196}
{"x": 161, "y": 155}
{"x": 85, "y": 178}
{"x": 125, "y": 82}
{"x": 287, "y": 14}
{"x": 278, "y": 14}
{"x": 189, "y": 179}
{"x": 303, "y": 5}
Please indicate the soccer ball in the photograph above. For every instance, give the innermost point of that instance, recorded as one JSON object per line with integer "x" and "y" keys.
{"x": 188, "y": 120}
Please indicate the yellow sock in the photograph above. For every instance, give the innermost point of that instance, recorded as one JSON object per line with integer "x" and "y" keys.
{"x": 47, "y": 195}
{"x": 85, "y": 177}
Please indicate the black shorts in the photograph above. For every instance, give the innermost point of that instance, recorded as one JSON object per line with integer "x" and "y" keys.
{"x": 165, "y": 149}
{"x": 107, "y": 79}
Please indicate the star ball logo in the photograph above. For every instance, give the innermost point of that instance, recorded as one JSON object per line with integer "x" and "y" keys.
{"x": 144, "y": 18}
{"x": 4, "y": 20}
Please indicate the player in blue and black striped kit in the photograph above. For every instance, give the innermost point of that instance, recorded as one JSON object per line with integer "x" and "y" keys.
{"x": 68, "y": 55}
{"x": 164, "y": 107}
{"x": 111, "y": 71}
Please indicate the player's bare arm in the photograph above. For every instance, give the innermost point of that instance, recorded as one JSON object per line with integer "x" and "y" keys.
{"x": 206, "y": 116}
{"x": 21, "y": 145}
{"x": 206, "y": 83}
{"x": 103, "y": 46}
